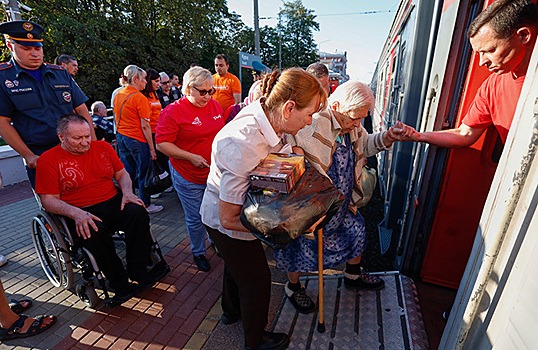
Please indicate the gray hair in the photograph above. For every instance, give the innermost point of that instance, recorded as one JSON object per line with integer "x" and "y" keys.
{"x": 195, "y": 76}
{"x": 97, "y": 105}
{"x": 130, "y": 72}
{"x": 65, "y": 120}
{"x": 163, "y": 75}
{"x": 352, "y": 95}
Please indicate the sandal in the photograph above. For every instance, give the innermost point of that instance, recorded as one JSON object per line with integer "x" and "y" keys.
{"x": 19, "y": 306}
{"x": 14, "y": 332}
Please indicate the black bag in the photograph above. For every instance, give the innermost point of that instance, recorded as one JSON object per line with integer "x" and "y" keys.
{"x": 157, "y": 179}
{"x": 278, "y": 218}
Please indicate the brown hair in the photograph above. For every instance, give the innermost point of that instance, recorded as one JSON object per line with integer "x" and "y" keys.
{"x": 293, "y": 84}
{"x": 505, "y": 17}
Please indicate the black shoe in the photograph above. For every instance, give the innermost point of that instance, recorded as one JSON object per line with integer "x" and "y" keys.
{"x": 144, "y": 279}
{"x": 124, "y": 293}
{"x": 202, "y": 263}
{"x": 272, "y": 341}
{"x": 363, "y": 281}
{"x": 300, "y": 300}
{"x": 228, "y": 319}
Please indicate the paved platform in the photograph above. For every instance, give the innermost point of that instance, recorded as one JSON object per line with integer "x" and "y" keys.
{"x": 183, "y": 310}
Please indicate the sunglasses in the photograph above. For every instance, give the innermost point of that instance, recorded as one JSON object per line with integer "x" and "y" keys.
{"x": 165, "y": 82}
{"x": 204, "y": 92}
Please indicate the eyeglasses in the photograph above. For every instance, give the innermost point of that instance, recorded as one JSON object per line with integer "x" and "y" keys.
{"x": 165, "y": 82}
{"x": 204, "y": 92}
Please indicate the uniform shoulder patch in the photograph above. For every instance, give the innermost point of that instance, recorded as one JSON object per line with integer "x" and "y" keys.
{"x": 5, "y": 65}
{"x": 54, "y": 66}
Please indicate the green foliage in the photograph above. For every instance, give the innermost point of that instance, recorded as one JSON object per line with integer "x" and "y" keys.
{"x": 167, "y": 35}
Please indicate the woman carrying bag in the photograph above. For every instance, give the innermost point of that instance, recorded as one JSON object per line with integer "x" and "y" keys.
{"x": 133, "y": 130}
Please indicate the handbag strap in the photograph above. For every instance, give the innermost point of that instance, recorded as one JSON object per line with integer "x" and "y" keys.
{"x": 121, "y": 108}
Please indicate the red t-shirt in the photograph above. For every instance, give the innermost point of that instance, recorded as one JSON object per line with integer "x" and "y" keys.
{"x": 191, "y": 129}
{"x": 495, "y": 103}
{"x": 80, "y": 180}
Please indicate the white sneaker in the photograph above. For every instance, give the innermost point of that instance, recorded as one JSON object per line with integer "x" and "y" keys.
{"x": 154, "y": 208}
{"x": 3, "y": 260}
{"x": 169, "y": 189}
{"x": 156, "y": 195}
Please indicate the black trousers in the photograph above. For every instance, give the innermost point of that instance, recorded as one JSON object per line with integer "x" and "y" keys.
{"x": 133, "y": 220}
{"x": 246, "y": 283}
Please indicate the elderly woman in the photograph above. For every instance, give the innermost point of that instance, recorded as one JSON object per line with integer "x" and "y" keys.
{"x": 185, "y": 132}
{"x": 133, "y": 130}
{"x": 337, "y": 145}
{"x": 288, "y": 103}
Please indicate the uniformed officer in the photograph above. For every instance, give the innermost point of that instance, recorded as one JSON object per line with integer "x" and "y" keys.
{"x": 34, "y": 95}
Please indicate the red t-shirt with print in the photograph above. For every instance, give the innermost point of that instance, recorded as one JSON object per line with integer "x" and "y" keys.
{"x": 495, "y": 103}
{"x": 191, "y": 129}
{"x": 80, "y": 180}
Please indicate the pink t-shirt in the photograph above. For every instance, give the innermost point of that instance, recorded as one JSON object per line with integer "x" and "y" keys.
{"x": 191, "y": 129}
{"x": 495, "y": 103}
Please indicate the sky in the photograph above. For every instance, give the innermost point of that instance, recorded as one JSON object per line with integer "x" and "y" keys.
{"x": 342, "y": 27}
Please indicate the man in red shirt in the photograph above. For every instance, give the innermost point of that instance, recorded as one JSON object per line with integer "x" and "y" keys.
{"x": 76, "y": 179}
{"x": 503, "y": 35}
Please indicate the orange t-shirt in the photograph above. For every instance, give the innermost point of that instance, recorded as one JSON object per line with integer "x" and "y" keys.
{"x": 135, "y": 108}
{"x": 226, "y": 87}
{"x": 155, "y": 105}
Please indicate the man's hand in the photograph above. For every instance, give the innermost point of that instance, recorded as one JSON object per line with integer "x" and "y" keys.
{"x": 130, "y": 197}
{"x": 83, "y": 221}
{"x": 31, "y": 161}
{"x": 153, "y": 154}
{"x": 403, "y": 132}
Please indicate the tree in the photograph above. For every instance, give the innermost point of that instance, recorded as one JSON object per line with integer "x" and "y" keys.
{"x": 296, "y": 26}
{"x": 107, "y": 35}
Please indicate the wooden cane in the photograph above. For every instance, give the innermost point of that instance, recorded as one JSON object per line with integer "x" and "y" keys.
{"x": 321, "y": 321}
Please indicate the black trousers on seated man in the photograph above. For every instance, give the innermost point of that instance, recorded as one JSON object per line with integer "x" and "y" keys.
{"x": 133, "y": 220}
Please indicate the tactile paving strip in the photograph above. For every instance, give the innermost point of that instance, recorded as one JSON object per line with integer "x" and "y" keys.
{"x": 389, "y": 318}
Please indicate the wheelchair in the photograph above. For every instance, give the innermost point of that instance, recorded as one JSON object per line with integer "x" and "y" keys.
{"x": 60, "y": 255}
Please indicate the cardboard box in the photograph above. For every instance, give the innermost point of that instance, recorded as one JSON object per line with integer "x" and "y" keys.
{"x": 278, "y": 172}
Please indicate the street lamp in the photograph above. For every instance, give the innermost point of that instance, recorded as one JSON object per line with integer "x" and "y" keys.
{"x": 319, "y": 45}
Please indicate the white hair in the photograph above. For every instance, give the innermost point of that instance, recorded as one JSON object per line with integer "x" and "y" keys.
{"x": 352, "y": 95}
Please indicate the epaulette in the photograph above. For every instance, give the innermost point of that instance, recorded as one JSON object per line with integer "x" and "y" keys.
{"x": 5, "y": 65}
{"x": 54, "y": 66}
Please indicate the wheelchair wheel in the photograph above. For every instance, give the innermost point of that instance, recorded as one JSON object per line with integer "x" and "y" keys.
{"x": 51, "y": 250}
{"x": 87, "y": 294}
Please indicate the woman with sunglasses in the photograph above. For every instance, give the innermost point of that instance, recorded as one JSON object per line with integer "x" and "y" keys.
{"x": 337, "y": 145}
{"x": 185, "y": 132}
{"x": 288, "y": 103}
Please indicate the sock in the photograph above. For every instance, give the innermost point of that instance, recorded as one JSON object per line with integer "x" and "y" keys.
{"x": 294, "y": 287}
{"x": 353, "y": 269}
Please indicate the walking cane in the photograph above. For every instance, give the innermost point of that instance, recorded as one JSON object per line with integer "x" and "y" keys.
{"x": 321, "y": 321}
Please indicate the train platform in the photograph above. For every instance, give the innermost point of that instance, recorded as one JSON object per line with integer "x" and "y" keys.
{"x": 183, "y": 310}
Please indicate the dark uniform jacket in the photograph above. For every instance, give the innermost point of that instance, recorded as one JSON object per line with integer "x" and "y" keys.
{"x": 35, "y": 107}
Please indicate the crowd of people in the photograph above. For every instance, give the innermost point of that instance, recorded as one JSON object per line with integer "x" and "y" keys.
{"x": 209, "y": 140}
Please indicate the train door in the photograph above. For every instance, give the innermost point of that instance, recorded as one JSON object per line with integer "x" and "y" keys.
{"x": 465, "y": 183}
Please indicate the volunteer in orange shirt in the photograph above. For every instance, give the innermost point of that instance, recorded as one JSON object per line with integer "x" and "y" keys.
{"x": 227, "y": 86}
{"x": 133, "y": 130}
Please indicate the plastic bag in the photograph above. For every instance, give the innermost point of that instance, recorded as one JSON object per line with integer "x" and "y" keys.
{"x": 368, "y": 183}
{"x": 157, "y": 179}
{"x": 278, "y": 218}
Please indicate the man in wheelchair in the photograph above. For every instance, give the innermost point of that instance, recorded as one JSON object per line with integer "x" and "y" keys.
{"x": 79, "y": 179}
